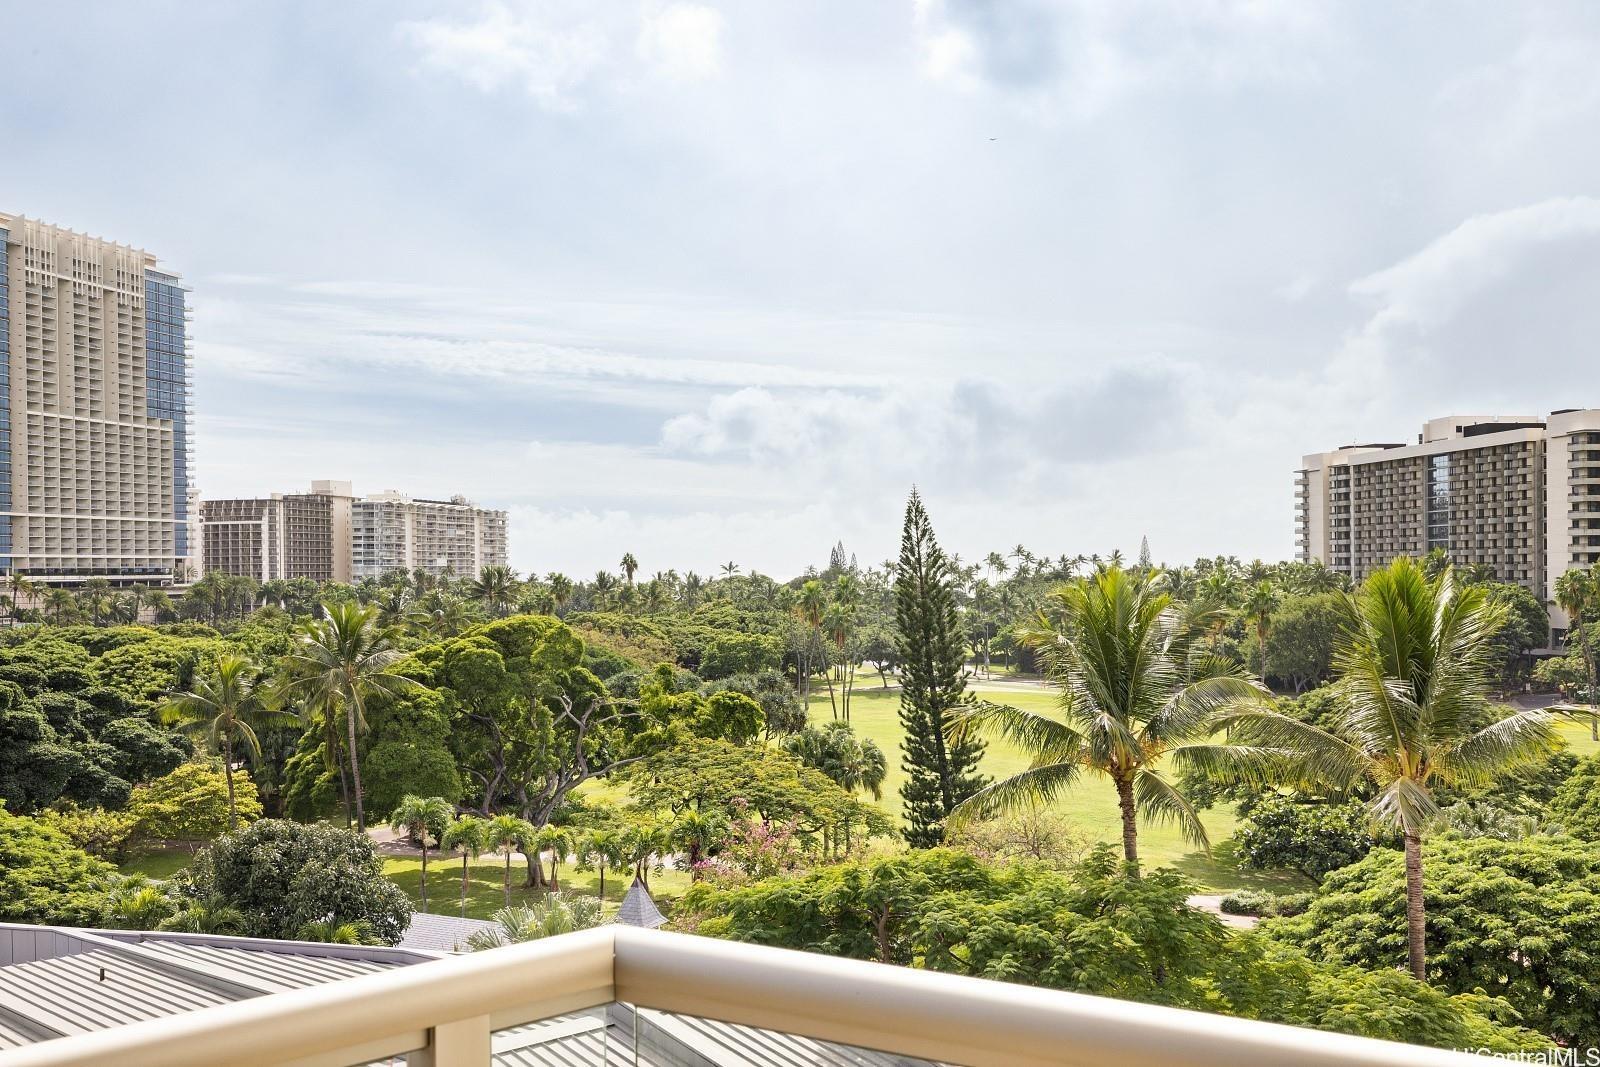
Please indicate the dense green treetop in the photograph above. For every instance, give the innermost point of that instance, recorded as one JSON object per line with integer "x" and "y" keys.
{"x": 282, "y": 876}
{"x": 1517, "y": 919}
{"x": 45, "y": 878}
{"x": 1575, "y": 805}
{"x": 1090, "y": 929}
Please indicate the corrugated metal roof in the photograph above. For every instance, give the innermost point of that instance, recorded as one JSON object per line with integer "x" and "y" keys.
{"x": 670, "y": 1040}
{"x": 95, "y": 990}
{"x": 442, "y": 933}
{"x": 78, "y": 981}
{"x": 272, "y": 972}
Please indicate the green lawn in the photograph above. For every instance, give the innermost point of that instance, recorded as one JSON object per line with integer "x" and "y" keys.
{"x": 1091, "y": 806}
{"x": 160, "y": 864}
{"x": 486, "y": 893}
{"x": 1576, "y": 731}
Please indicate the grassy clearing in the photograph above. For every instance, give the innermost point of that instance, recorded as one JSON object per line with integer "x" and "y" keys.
{"x": 486, "y": 895}
{"x": 1576, "y": 731}
{"x": 1091, "y": 806}
{"x": 163, "y": 863}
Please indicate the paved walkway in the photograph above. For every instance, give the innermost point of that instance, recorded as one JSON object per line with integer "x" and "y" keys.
{"x": 1212, "y": 902}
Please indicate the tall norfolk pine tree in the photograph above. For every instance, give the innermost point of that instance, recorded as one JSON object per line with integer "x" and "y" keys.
{"x": 939, "y": 773}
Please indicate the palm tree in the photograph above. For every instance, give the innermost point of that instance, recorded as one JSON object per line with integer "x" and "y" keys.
{"x": 418, "y": 817}
{"x": 1133, "y": 691}
{"x": 505, "y": 834}
{"x": 629, "y": 566}
{"x": 557, "y": 841}
{"x": 1259, "y": 605}
{"x": 95, "y": 596}
{"x": 1578, "y": 594}
{"x": 210, "y": 590}
{"x": 496, "y": 587}
{"x": 603, "y": 849}
{"x": 695, "y": 832}
{"x": 467, "y": 835}
{"x": 730, "y": 569}
{"x": 341, "y": 660}
{"x": 335, "y": 932}
{"x": 59, "y": 601}
{"x": 810, "y": 605}
{"x": 226, "y": 705}
{"x": 1413, "y": 687}
{"x": 855, "y": 763}
{"x": 18, "y": 586}
{"x": 560, "y": 589}
{"x": 550, "y": 917}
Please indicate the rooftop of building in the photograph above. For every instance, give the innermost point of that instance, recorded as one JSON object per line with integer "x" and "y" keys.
{"x": 612, "y": 994}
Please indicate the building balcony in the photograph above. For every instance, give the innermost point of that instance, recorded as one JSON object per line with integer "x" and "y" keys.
{"x": 486, "y": 1007}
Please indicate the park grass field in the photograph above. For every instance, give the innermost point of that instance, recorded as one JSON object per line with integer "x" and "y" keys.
{"x": 159, "y": 864}
{"x": 1091, "y": 806}
{"x": 486, "y": 895}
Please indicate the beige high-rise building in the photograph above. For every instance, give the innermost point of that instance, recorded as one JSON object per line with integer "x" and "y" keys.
{"x": 94, "y": 422}
{"x": 390, "y": 532}
{"x": 1519, "y": 495}
{"x": 286, "y": 535}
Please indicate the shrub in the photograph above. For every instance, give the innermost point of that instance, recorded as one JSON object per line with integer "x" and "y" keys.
{"x": 1265, "y": 905}
{"x": 1282, "y": 833}
{"x": 282, "y": 876}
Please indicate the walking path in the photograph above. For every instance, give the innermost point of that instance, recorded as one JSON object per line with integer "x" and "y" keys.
{"x": 1212, "y": 902}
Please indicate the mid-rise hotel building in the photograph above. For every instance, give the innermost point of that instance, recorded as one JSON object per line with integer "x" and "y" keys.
{"x": 390, "y": 532}
{"x": 94, "y": 419}
{"x": 1519, "y": 495}
{"x": 285, "y": 535}
{"x": 329, "y": 535}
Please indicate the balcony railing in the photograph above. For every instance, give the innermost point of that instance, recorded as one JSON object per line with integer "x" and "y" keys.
{"x": 444, "y": 1014}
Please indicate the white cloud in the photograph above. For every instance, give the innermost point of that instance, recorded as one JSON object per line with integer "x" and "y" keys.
{"x": 559, "y": 51}
{"x": 1432, "y": 286}
{"x": 1296, "y": 289}
{"x": 1545, "y": 84}
{"x": 1081, "y": 56}
{"x": 548, "y": 50}
{"x": 683, "y": 41}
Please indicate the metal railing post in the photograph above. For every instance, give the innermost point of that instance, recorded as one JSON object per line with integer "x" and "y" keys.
{"x": 463, "y": 1043}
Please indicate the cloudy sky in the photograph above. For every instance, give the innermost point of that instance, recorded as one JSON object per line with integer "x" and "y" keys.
{"x": 722, "y": 280}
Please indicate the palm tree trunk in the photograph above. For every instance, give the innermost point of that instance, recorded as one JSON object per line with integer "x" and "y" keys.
{"x": 227, "y": 772}
{"x": 1261, "y": 639}
{"x": 1589, "y": 668}
{"x": 338, "y": 761}
{"x": 424, "y": 869}
{"x": 832, "y": 702}
{"x": 355, "y": 763}
{"x": 507, "y": 880}
{"x": 464, "y": 876}
{"x": 602, "y": 866}
{"x": 1416, "y": 917}
{"x": 1130, "y": 820}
